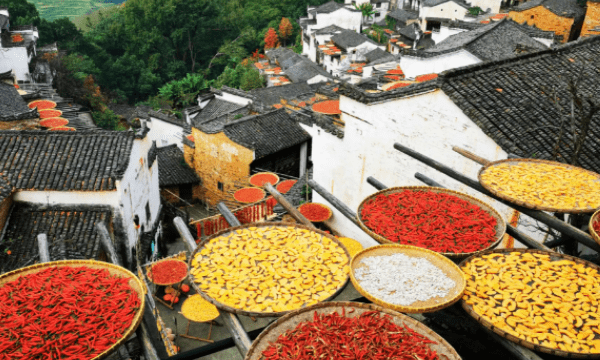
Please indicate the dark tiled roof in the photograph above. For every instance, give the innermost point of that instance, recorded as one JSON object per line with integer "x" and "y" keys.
{"x": 432, "y": 3}
{"x": 237, "y": 92}
{"x": 12, "y": 105}
{"x": 564, "y": 8}
{"x": 4, "y": 23}
{"x": 403, "y": 15}
{"x": 410, "y": 31}
{"x": 82, "y": 160}
{"x": 166, "y": 118}
{"x": 73, "y": 225}
{"x": 379, "y": 54}
{"x": 532, "y": 31}
{"x": 215, "y": 108}
{"x": 215, "y": 124}
{"x": 6, "y": 75}
{"x": 273, "y": 95}
{"x": 490, "y": 42}
{"x": 328, "y": 7}
{"x": 305, "y": 70}
{"x": 267, "y": 133}
{"x": 5, "y": 188}
{"x": 331, "y": 29}
{"x": 172, "y": 169}
{"x": 349, "y": 38}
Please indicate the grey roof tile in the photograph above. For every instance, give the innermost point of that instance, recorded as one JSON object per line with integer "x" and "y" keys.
{"x": 564, "y": 8}
{"x": 403, "y": 15}
{"x": 172, "y": 169}
{"x": 12, "y": 105}
{"x": 348, "y": 38}
{"x": 432, "y": 3}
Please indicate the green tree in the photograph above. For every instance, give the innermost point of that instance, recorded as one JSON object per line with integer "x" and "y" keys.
{"x": 366, "y": 9}
{"x": 21, "y": 12}
{"x": 183, "y": 92}
{"x": 241, "y": 76}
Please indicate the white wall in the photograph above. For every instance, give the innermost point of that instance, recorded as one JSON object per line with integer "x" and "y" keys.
{"x": 430, "y": 124}
{"x": 415, "y": 66}
{"x": 342, "y": 17}
{"x": 547, "y": 42}
{"x": 233, "y": 98}
{"x": 447, "y": 10}
{"x": 109, "y": 198}
{"x": 15, "y": 59}
{"x": 493, "y": 5}
{"x": 317, "y": 79}
{"x": 164, "y": 132}
{"x": 444, "y": 33}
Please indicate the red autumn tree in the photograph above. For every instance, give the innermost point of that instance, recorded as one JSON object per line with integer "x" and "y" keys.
{"x": 285, "y": 29}
{"x": 271, "y": 39}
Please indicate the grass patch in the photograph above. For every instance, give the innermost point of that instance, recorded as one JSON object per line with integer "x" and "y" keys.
{"x": 55, "y": 9}
{"x": 82, "y": 23}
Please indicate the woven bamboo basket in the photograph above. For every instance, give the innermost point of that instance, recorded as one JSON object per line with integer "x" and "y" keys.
{"x": 500, "y": 223}
{"x": 329, "y": 212}
{"x": 149, "y": 272}
{"x": 595, "y": 217}
{"x": 134, "y": 282}
{"x": 246, "y": 312}
{"x": 291, "y": 320}
{"x": 483, "y": 320}
{"x": 446, "y": 265}
{"x": 263, "y": 173}
{"x": 528, "y": 205}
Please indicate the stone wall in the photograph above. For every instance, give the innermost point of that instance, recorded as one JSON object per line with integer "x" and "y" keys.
{"x": 592, "y": 19}
{"x": 188, "y": 155}
{"x": 546, "y": 20}
{"x": 218, "y": 159}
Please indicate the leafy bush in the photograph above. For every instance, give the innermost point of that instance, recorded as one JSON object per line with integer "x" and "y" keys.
{"x": 106, "y": 119}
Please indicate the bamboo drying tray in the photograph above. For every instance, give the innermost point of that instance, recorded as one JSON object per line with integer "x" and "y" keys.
{"x": 500, "y": 223}
{"x": 134, "y": 282}
{"x": 595, "y": 217}
{"x": 291, "y": 320}
{"x": 240, "y": 311}
{"x": 329, "y": 212}
{"x": 446, "y": 265}
{"x": 484, "y": 320}
{"x": 264, "y": 173}
{"x": 514, "y": 200}
{"x": 149, "y": 271}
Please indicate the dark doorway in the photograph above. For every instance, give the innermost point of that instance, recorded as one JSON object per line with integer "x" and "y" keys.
{"x": 185, "y": 192}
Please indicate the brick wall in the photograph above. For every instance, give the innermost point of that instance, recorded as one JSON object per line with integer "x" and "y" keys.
{"x": 592, "y": 19}
{"x": 545, "y": 20}
{"x": 218, "y": 159}
{"x": 5, "y": 211}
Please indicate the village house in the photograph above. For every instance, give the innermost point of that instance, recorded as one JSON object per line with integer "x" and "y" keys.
{"x": 495, "y": 41}
{"x": 491, "y": 109}
{"x": 297, "y": 67}
{"x": 17, "y": 47}
{"x": 433, "y": 12}
{"x": 347, "y": 46}
{"x": 563, "y": 17}
{"x": 591, "y": 23}
{"x": 408, "y": 37}
{"x": 64, "y": 182}
{"x": 401, "y": 18}
{"x": 330, "y": 13}
{"x": 14, "y": 112}
{"x": 165, "y": 129}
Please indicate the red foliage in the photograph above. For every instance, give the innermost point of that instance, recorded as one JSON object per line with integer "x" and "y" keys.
{"x": 168, "y": 272}
{"x": 315, "y": 212}
{"x": 45, "y": 114}
{"x": 426, "y": 77}
{"x": 42, "y": 104}
{"x": 249, "y": 195}
{"x": 54, "y": 122}
{"x": 271, "y": 39}
{"x": 286, "y": 185}
{"x": 285, "y": 28}
{"x": 262, "y": 178}
{"x": 327, "y": 107}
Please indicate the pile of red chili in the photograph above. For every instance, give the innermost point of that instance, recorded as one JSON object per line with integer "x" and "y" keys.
{"x": 285, "y": 186}
{"x": 436, "y": 221}
{"x": 168, "y": 272}
{"x": 315, "y": 212}
{"x": 262, "y": 179}
{"x": 249, "y": 195}
{"x": 64, "y": 313}
{"x": 335, "y": 336}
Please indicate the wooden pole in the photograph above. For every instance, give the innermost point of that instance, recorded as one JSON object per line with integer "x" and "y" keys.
{"x": 340, "y": 206}
{"x": 470, "y": 155}
{"x": 287, "y": 206}
{"x": 43, "y": 248}
{"x": 541, "y": 216}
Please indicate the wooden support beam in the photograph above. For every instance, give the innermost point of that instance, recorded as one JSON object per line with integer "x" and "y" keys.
{"x": 340, "y": 206}
{"x": 470, "y": 155}
{"x": 287, "y": 206}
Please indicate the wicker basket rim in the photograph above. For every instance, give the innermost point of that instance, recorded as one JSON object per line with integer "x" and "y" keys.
{"x": 230, "y": 309}
{"x": 138, "y": 288}
{"x": 500, "y": 222}
{"x": 593, "y": 232}
{"x": 526, "y": 204}
{"x": 483, "y": 321}
{"x": 285, "y": 323}
{"x": 441, "y": 262}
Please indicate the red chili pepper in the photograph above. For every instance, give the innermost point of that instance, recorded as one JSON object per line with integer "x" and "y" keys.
{"x": 168, "y": 271}
{"x": 314, "y": 212}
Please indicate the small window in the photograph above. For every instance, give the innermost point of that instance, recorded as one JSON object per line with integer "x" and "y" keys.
{"x": 148, "y": 214}
{"x": 532, "y": 16}
{"x": 220, "y": 186}
{"x": 136, "y": 220}
{"x": 378, "y": 5}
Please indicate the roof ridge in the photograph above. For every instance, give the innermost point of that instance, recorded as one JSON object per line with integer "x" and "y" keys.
{"x": 251, "y": 117}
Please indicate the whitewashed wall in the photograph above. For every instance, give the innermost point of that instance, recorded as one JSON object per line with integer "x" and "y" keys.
{"x": 240, "y": 100}
{"x": 342, "y": 17}
{"x": 165, "y": 133}
{"x": 430, "y": 124}
{"x": 110, "y": 198}
{"x": 444, "y": 33}
{"x": 15, "y": 59}
{"x": 415, "y": 66}
{"x": 447, "y": 10}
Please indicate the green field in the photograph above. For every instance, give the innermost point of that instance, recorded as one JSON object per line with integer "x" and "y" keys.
{"x": 55, "y": 9}
{"x": 81, "y": 21}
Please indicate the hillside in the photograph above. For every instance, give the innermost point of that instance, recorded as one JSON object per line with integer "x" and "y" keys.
{"x": 55, "y": 9}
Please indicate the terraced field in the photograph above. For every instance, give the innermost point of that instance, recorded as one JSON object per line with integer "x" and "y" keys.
{"x": 54, "y": 9}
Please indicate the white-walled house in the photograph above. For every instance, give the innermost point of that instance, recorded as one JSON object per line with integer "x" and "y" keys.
{"x": 433, "y": 12}
{"x": 491, "y": 109}
{"x": 17, "y": 47}
{"x": 165, "y": 129}
{"x": 350, "y": 44}
{"x": 495, "y": 41}
{"x": 296, "y": 67}
{"x": 114, "y": 170}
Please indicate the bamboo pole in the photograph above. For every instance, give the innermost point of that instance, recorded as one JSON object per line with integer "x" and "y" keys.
{"x": 287, "y": 206}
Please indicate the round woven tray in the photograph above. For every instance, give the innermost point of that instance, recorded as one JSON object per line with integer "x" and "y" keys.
{"x": 517, "y": 201}
{"x": 447, "y": 266}
{"x": 230, "y": 309}
{"x": 263, "y": 173}
{"x": 500, "y": 223}
{"x": 149, "y": 272}
{"x": 329, "y": 212}
{"x": 204, "y": 317}
{"x": 249, "y": 202}
{"x": 595, "y": 217}
{"x": 291, "y": 320}
{"x": 483, "y": 320}
{"x": 134, "y": 282}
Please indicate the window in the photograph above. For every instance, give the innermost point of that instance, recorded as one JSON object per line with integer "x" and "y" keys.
{"x": 532, "y": 16}
{"x": 378, "y": 5}
{"x": 220, "y": 186}
{"x": 148, "y": 214}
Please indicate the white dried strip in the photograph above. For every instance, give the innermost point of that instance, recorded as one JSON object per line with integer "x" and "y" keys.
{"x": 402, "y": 280}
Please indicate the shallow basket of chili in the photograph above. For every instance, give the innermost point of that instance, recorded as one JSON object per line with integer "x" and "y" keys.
{"x": 315, "y": 212}
{"x": 53, "y": 122}
{"x": 448, "y": 222}
{"x": 95, "y": 321}
{"x": 167, "y": 272}
{"x": 351, "y": 330}
{"x": 50, "y": 113}
{"x": 249, "y": 195}
{"x": 42, "y": 104}
{"x": 285, "y": 186}
{"x": 260, "y": 179}
{"x": 595, "y": 226}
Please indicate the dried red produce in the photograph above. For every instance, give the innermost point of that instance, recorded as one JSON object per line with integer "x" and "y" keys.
{"x": 249, "y": 195}
{"x": 436, "y": 221}
{"x": 54, "y": 122}
{"x": 261, "y": 179}
{"x": 329, "y": 106}
{"x": 285, "y": 186}
{"x": 168, "y": 271}
{"x": 315, "y": 212}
